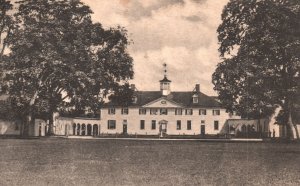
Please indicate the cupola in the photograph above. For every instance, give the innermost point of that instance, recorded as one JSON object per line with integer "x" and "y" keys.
{"x": 196, "y": 94}
{"x": 165, "y": 83}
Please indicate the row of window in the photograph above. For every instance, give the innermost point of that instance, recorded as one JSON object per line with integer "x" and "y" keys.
{"x": 111, "y": 124}
{"x": 163, "y": 111}
{"x": 189, "y": 124}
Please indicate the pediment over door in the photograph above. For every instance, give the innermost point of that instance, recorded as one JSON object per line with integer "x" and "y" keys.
{"x": 163, "y": 122}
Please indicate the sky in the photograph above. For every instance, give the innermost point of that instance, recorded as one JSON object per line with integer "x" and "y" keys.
{"x": 180, "y": 33}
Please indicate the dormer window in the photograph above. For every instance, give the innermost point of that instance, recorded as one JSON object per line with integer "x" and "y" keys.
{"x": 195, "y": 98}
{"x": 134, "y": 99}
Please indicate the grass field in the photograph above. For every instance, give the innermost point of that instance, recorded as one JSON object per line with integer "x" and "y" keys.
{"x": 53, "y": 161}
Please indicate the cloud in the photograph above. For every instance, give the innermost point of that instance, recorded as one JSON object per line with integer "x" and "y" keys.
{"x": 181, "y": 33}
{"x": 185, "y": 68}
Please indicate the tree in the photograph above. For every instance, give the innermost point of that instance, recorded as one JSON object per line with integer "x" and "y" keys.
{"x": 122, "y": 95}
{"x": 58, "y": 54}
{"x": 265, "y": 70}
{"x": 6, "y": 24}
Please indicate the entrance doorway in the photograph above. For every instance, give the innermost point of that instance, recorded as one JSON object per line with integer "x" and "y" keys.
{"x": 124, "y": 128}
{"x": 40, "y": 129}
{"x": 202, "y": 130}
{"x": 163, "y": 128}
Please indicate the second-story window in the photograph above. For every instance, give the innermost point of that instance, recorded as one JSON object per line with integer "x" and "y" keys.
{"x": 163, "y": 111}
{"x": 142, "y": 111}
{"x": 178, "y": 111}
{"x": 216, "y": 112}
{"x": 124, "y": 111}
{"x": 111, "y": 111}
{"x": 202, "y": 112}
{"x": 188, "y": 111}
{"x": 153, "y": 111}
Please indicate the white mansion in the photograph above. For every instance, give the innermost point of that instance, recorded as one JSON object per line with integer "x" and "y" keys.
{"x": 165, "y": 112}
{"x": 160, "y": 113}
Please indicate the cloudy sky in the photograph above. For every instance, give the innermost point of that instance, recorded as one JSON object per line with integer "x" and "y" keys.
{"x": 181, "y": 33}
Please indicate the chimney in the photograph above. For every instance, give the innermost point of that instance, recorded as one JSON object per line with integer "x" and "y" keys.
{"x": 197, "y": 88}
{"x": 132, "y": 86}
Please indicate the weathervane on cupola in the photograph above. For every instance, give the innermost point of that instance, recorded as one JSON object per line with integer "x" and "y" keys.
{"x": 165, "y": 83}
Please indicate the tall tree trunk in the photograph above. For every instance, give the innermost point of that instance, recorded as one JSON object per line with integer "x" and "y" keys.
{"x": 29, "y": 117}
{"x": 25, "y": 127}
{"x": 51, "y": 124}
{"x": 292, "y": 130}
{"x": 28, "y": 121}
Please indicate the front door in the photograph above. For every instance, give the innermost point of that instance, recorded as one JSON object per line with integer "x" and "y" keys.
{"x": 202, "y": 129}
{"x": 124, "y": 128}
{"x": 162, "y": 128}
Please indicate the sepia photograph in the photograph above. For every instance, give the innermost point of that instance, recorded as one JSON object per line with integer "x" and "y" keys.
{"x": 149, "y": 92}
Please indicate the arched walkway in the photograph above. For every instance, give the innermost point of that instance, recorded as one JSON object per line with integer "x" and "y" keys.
{"x": 78, "y": 129}
{"x": 95, "y": 130}
{"x": 89, "y": 129}
{"x": 74, "y": 128}
{"x": 244, "y": 129}
{"x": 83, "y": 130}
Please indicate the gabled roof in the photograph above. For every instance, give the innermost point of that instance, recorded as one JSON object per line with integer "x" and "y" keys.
{"x": 182, "y": 98}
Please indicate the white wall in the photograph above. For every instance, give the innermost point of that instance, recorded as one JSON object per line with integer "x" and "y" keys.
{"x": 62, "y": 122}
{"x": 133, "y": 121}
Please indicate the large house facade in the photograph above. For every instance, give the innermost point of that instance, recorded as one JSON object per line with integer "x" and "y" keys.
{"x": 160, "y": 113}
{"x": 165, "y": 112}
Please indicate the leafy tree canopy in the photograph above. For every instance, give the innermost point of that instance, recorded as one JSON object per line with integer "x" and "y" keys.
{"x": 265, "y": 35}
{"x": 5, "y": 24}
{"x": 58, "y": 54}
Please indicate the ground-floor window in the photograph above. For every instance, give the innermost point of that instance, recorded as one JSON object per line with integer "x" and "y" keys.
{"x": 216, "y": 125}
{"x": 142, "y": 124}
{"x": 153, "y": 125}
{"x": 189, "y": 125}
{"x": 178, "y": 126}
{"x": 111, "y": 124}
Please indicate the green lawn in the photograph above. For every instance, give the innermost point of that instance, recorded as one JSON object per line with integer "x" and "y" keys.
{"x": 53, "y": 161}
